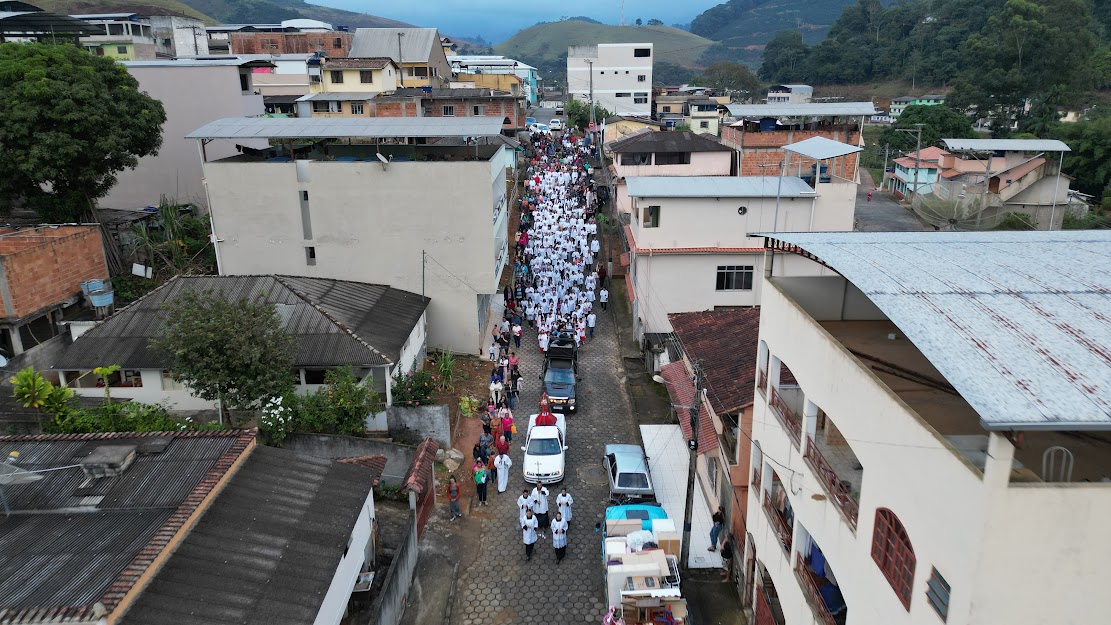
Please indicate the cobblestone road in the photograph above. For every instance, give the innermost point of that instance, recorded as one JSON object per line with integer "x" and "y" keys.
{"x": 500, "y": 587}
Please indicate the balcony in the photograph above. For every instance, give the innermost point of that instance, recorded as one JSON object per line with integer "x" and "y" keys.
{"x": 756, "y": 477}
{"x": 762, "y": 382}
{"x": 780, "y": 524}
{"x": 840, "y": 490}
{"x": 791, "y": 420}
{"x": 813, "y": 595}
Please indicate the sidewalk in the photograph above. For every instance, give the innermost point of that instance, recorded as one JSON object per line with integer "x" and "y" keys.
{"x": 710, "y": 601}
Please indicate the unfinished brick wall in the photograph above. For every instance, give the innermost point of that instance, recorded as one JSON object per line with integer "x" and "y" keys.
{"x": 46, "y": 266}
{"x": 761, "y": 151}
{"x": 495, "y": 107}
{"x": 291, "y": 43}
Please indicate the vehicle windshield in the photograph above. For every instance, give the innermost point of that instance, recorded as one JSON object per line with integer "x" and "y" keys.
{"x": 560, "y": 376}
{"x": 632, "y": 480}
{"x": 544, "y": 447}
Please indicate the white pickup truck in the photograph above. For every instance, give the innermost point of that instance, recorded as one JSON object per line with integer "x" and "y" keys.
{"x": 545, "y": 451}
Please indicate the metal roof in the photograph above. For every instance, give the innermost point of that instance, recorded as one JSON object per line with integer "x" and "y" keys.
{"x": 416, "y": 43}
{"x": 808, "y": 109}
{"x": 43, "y": 24}
{"x": 334, "y": 96}
{"x": 194, "y": 62}
{"x": 670, "y": 141}
{"x": 343, "y": 128}
{"x": 820, "y": 148}
{"x": 1017, "y": 322}
{"x": 716, "y": 186}
{"x": 1006, "y": 145}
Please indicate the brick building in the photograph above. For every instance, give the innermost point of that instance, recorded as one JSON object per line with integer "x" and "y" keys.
{"x": 761, "y": 131}
{"x": 330, "y": 43}
{"x": 42, "y": 270}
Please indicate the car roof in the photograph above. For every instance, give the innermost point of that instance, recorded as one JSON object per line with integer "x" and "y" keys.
{"x": 628, "y": 457}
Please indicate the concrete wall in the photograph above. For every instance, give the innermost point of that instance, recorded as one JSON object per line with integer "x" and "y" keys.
{"x": 291, "y": 43}
{"x": 389, "y": 605}
{"x": 616, "y": 70}
{"x": 369, "y": 225}
{"x": 702, "y": 164}
{"x": 46, "y": 266}
{"x": 334, "y": 607}
{"x": 714, "y": 222}
{"x": 672, "y": 283}
{"x": 193, "y": 97}
{"x": 381, "y": 80}
{"x": 419, "y": 422}
{"x": 186, "y": 34}
{"x": 289, "y": 77}
{"x": 334, "y": 447}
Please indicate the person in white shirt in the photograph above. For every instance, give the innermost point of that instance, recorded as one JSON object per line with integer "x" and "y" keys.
{"x": 502, "y": 462}
{"x": 559, "y": 536}
{"x": 564, "y": 501}
{"x": 591, "y": 320}
{"x": 524, "y": 505}
{"x": 603, "y": 297}
{"x": 528, "y": 533}
{"x": 540, "y": 506}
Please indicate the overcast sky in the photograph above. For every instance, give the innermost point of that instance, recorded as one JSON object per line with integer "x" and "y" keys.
{"x": 497, "y": 20}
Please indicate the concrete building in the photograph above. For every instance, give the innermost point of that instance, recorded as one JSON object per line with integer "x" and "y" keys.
{"x": 172, "y": 527}
{"x": 790, "y": 94}
{"x": 898, "y": 105}
{"x": 418, "y": 103}
{"x": 417, "y": 51}
{"x": 429, "y": 220}
{"x": 178, "y": 35}
{"x": 916, "y": 168}
{"x": 281, "y": 39}
{"x": 621, "y": 74}
{"x": 763, "y": 129}
{"x": 193, "y": 92}
{"x": 121, "y": 36}
{"x": 672, "y": 153}
{"x": 353, "y": 75}
{"x": 619, "y": 126}
{"x": 498, "y": 82}
{"x": 499, "y": 65}
{"x": 917, "y": 416}
{"x": 24, "y": 23}
{"x": 696, "y": 111}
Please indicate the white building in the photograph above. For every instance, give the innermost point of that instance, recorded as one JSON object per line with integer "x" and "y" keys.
{"x": 930, "y": 431}
{"x": 178, "y": 35}
{"x": 790, "y": 94}
{"x": 621, "y": 74}
{"x": 491, "y": 64}
{"x": 430, "y": 219}
{"x": 691, "y": 239}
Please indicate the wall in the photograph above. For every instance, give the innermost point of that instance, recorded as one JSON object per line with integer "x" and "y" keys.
{"x": 760, "y": 149}
{"x": 616, "y": 70}
{"x": 381, "y": 80}
{"x": 334, "y": 447}
{"x": 193, "y": 97}
{"x": 672, "y": 283}
{"x": 334, "y": 607}
{"x": 291, "y": 43}
{"x": 493, "y": 107}
{"x": 46, "y": 266}
{"x": 420, "y": 422}
{"x": 702, "y": 164}
{"x": 389, "y": 605}
{"x": 713, "y": 222}
{"x": 623, "y": 127}
{"x": 415, "y": 349}
{"x": 289, "y": 77}
{"x": 184, "y": 40}
{"x": 149, "y": 393}
{"x": 368, "y": 225}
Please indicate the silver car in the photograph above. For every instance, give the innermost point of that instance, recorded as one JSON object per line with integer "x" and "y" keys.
{"x": 627, "y": 467}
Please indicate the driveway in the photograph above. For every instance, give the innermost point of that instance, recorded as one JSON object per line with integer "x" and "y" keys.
{"x": 883, "y": 213}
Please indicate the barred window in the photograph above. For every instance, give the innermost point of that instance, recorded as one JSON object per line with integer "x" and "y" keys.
{"x": 892, "y": 552}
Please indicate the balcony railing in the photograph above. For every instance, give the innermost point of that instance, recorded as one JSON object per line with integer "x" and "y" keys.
{"x": 838, "y": 491}
{"x": 762, "y": 382}
{"x": 791, "y": 421}
{"x": 782, "y": 528}
{"x": 756, "y": 481}
{"x": 813, "y": 596}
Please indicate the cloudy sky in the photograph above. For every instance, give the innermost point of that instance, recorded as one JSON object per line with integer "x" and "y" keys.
{"x": 500, "y": 19}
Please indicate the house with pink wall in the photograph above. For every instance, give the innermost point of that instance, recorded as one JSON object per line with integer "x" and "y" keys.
{"x": 669, "y": 153}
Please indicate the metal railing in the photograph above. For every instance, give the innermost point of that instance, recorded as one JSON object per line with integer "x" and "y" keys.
{"x": 813, "y": 596}
{"x": 762, "y": 382}
{"x": 840, "y": 494}
{"x": 782, "y": 528}
{"x": 756, "y": 477}
{"x": 791, "y": 421}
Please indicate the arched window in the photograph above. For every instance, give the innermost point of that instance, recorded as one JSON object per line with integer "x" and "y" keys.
{"x": 893, "y": 553}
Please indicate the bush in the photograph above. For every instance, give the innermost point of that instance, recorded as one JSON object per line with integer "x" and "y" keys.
{"x": 132, "y": 416}
{"x": 341, "y": 407}
{"x": 414, "y": 388}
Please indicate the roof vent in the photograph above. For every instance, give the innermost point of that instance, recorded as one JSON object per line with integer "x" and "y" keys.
{"x": 108, "y": 461}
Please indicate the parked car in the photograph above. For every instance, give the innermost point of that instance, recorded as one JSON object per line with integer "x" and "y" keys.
{"x": 529, "y": 121}
{"x": 627, "y": 467}
{"x": 559, "y": 110}
{"x": 556, "y": 124}
{"x": 540, "y": 128}
{"x": 545, "y": 451}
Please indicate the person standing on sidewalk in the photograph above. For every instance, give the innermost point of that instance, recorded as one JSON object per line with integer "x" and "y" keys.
{"x": 540, "y": 506}
{"x": 719, "y": 522}
{"x": 726, "y": 560}
{"x": 502, "y": 462}
{"x": 564, "y": 501}
{"x": 480, "y": 481}
{"x": 559, "y": 537}
{"x": 453, "y": 498}
{"x": 524, "y": 505}
{"x": 604, "y": 297}
{"x": 528, "y": 533}
{"x": 591, "y": 321}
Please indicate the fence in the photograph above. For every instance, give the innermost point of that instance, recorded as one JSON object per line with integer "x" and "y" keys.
{"x": 389, "y": 606}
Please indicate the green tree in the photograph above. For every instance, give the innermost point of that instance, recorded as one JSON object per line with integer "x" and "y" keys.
{"x": 785, "y": 57}
{"x": 728, "y": 77}
{"x": 233, "y": 351}
{"x": 1089, "y": 162}
{"x": 33, "y": 391}
{"x": 940, "y": 122}
{"x": 578, "y": 114}
{"x": 69, "y": 122}
{"x": 639, "y": 22}
{"x": 655, "y": 22}
{"x": 664, "y": 73}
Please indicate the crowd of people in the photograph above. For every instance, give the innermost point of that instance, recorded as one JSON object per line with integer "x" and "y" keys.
{"x": 558, "y": 278}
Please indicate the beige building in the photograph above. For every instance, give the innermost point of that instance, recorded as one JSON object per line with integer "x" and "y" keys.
{"x": 370, "y": 200}
{"x": 618, "y": 74}
{"x": 617, "y": 127}
{"x": 917, "y": 416}
{"x": 417, "y": 51}
{"x": 193, "y": 92}
{"x": 353, "y": 75}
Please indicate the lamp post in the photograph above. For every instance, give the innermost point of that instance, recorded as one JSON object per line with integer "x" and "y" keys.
{"x": 590, "y": 63}
{"x": 692, "y": 467}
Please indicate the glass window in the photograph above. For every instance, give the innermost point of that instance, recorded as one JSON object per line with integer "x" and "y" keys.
{"x": 667, "y": 109}
{"x": 642, "y": 78}
{"x": 169, "y": 382}
{"x": 356, "y": 108}
{"x": 337, "y": 77}
{"x": 478, "y": 110}
{"x": 734, "y": 278}
{"x": 636, "y": 158}
{"x": 642, "y": 52}
{"x": 892, "y": 552}
{"x": 703, "y": 124}
{"x": 337, "y": 42}
{"x": 449, "y": 110}
{"x": 622, "y": 95}
{"x": 651, "y": 217}
{"x": 366, "y": 76}
{"x": 673, "y": 158}
{"x": 315, "y": 376}
{"x": 640, "y": 99}
{"x": 121, "y": 49}
{"x": 937, "y": 593}
{"x": 310, "y": 255}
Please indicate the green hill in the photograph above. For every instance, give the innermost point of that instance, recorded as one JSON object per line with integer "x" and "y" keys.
{"x": 79, "y": 7}
{"x": 545, "y": 45}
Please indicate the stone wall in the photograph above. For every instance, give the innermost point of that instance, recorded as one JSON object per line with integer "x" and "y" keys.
{"x": 421, "y": 422}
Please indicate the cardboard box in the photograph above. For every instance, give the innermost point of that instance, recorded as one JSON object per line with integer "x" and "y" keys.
{"x": 622, "y": 527}
{"x": 670, "y": 542}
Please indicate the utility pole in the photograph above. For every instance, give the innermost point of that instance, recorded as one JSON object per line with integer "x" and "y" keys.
{"x": 590, "y": 63}
{"x": 400, "y": 69}
{"x": 917, "y": 155}
{"x": 883, "y": 174}
{"x": 423, "y": 266}
{"x": 692, "y": 470}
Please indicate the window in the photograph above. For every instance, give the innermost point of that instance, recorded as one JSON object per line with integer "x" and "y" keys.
{"x": 712, "y": 471}
{"x": 244, "y": 82}
{"x": 892, "y": 552}
{"x": 170, "y": 383}
{"x": 642, "y": 78}
{"x": 673, "y": 158}
{"x": 166, "y": 43}
{"x": 121, "y": 49}
{"x": 734, "y": 278}
{"x": 356, "y": 108}
{"x": 320, "y": 106}
{"x": 651, "y": 217}
{"x": 366, "y": 76}
{"x": 703, "y": 124}
{"x": 640, "y": 98}
{"x": 306, "y": 218}
{"x": 304, "y": 196}
{"x": 478, "y": 110}
{"x": 420, "y": 72}
{"x": 937, "y": 593}
{"x": 337, "y": 76}
{"x": 310, "y": 256}
{"x": 667, "y": 109}
{"x": 337, "y": 42}
{"x": 622, "y": 95}
{"x": 626, "y": 72}
{"x": 642, "y": 52}
{"x": 449, "y": 110}
{"x": 636, "y": 158}
{"x": 315, "y": 78}
{"x": 315, "y": 376}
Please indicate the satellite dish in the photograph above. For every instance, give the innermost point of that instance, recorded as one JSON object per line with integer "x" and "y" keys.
{"x": 3, "y": 361}
{"x": 385, "y": 161}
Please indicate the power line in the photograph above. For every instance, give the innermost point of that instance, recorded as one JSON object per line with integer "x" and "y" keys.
{"x": 460, "y": 280}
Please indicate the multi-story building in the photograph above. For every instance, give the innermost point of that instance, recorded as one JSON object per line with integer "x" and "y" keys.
{"x": 498, "y": 65}
{"x": 916, "y": 171}
{"x": 619, "y": 75}
{"x": 898, "y": 105}
{"x": 417, "y": 51}
{"x": 763, "y": 129}
{"x": 932, "y": 401}
{"x": 672, "y": 153}
{"x": 178, "y": 35}
{"x": 619, "y": 126}
{"x": 697, "y": 112}
{"x": 369, "y": 200}
{"x": 418, "y": 103}
{"x": 498, "y": 82}
{"x": 353, "y": 75}
{"x": 289, "y": 37}
{"x": 122, "y": 36}
{"x": 790, "y": 94}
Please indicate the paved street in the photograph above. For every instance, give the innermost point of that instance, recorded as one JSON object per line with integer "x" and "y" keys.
{"x": 499, "y": 586}
{"x": 883, "y": 213}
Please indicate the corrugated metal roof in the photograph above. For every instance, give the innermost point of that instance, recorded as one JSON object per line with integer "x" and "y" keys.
{"x": 356, "y": 63}
{"x": 266, "y": 550}
{"x": 671, "y": 141}
{"x": 1018, "y": 322}
{"x": 346, "y": 127}
{"x": 820, "y": 148}
{"x": 716, "y": 186}
{"x": 1006, "y": 145}
{"x": 416, "y": 43}
{"x": 808, "y": 109}
{"x": 333, "y": 322}
{"x": 335, "y": 96}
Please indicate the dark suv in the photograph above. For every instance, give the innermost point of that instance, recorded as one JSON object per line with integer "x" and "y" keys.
{"x": 561, "y": 368}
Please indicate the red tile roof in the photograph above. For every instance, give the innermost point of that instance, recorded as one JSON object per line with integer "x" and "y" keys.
{"x": 681, "y": 390}
{"x": 376, "y": 464}
{"x": 420, "y": 475}
{"x": 727, "y": 342}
